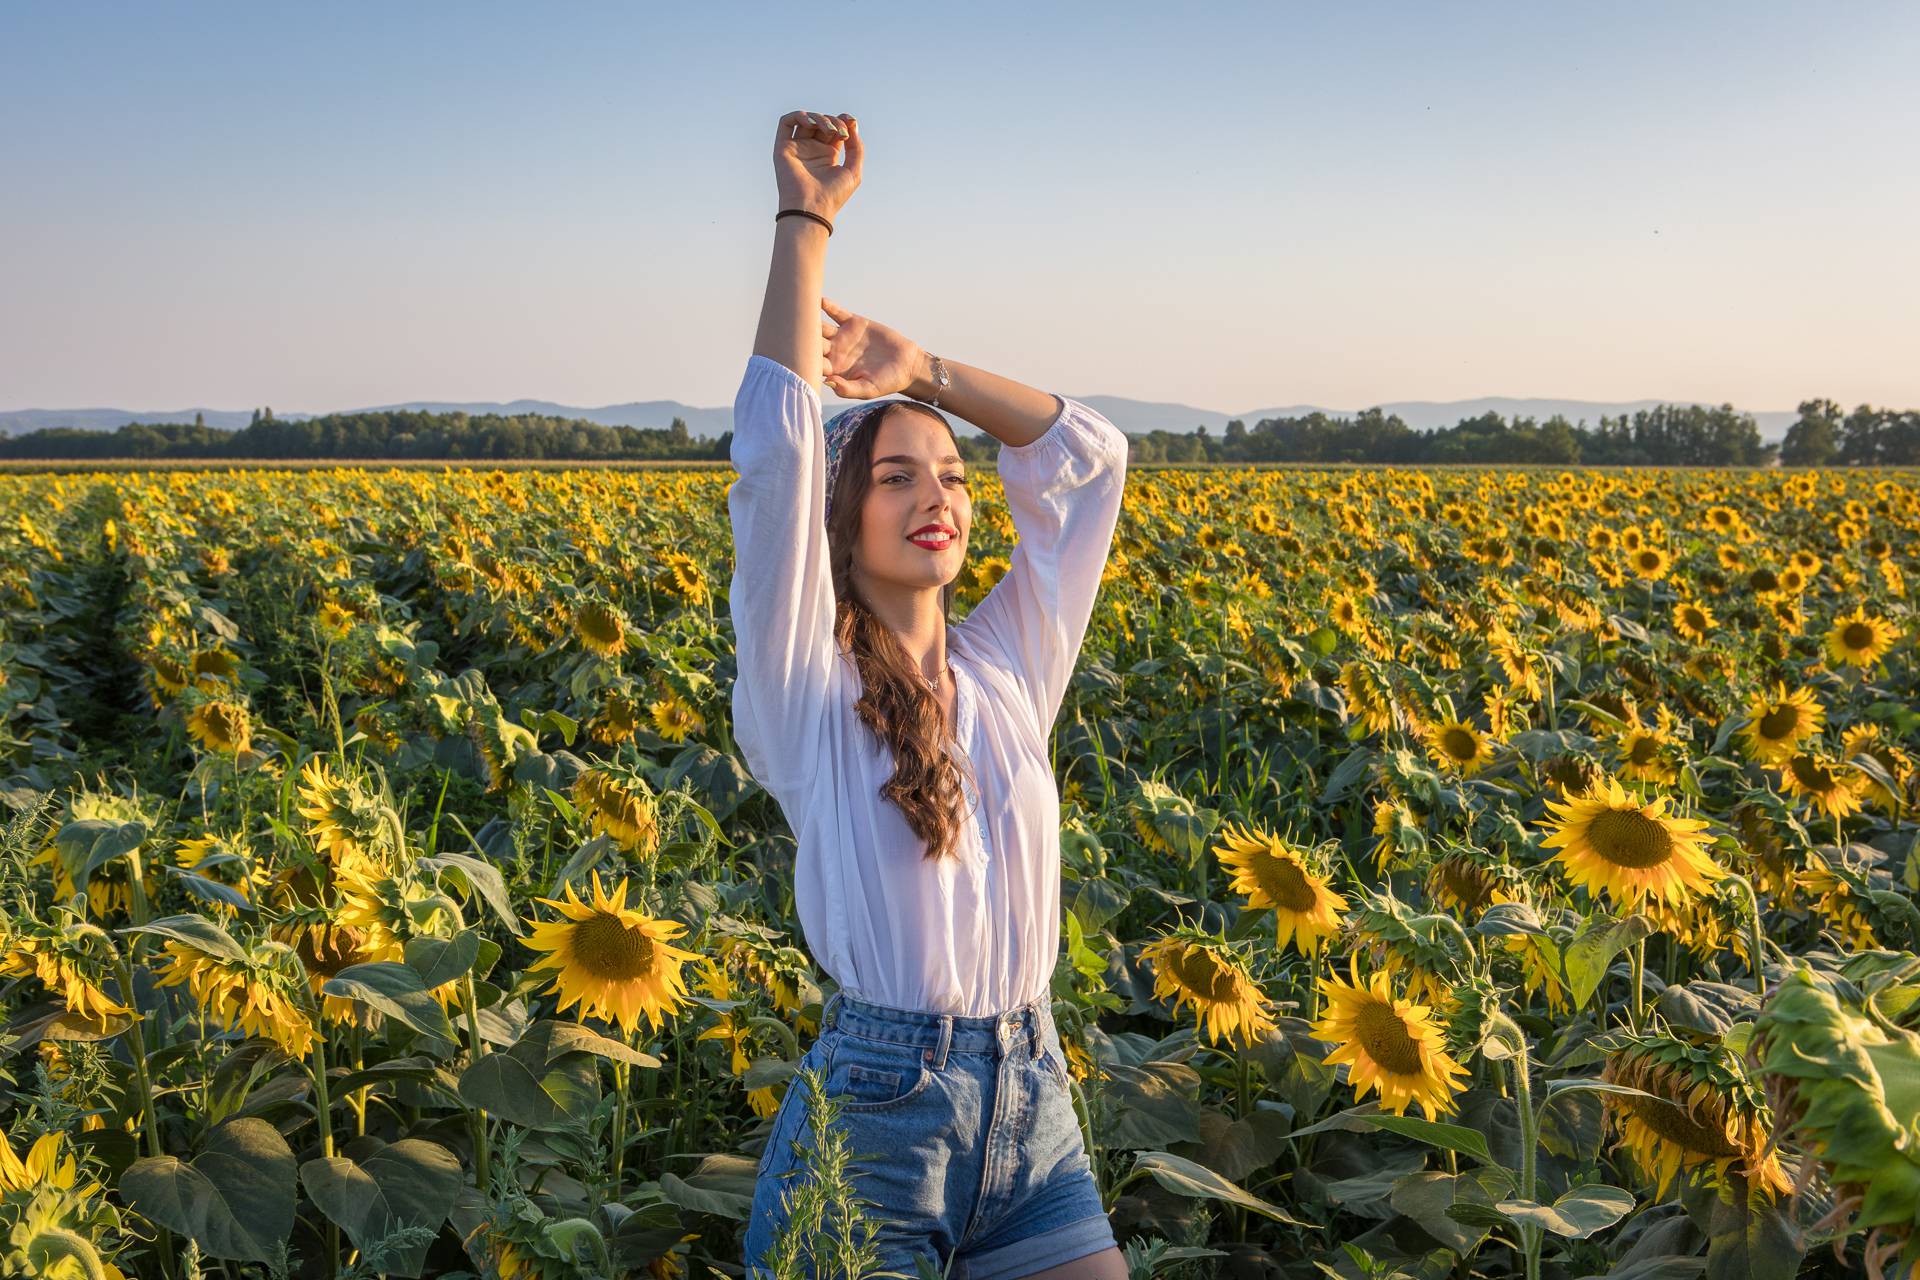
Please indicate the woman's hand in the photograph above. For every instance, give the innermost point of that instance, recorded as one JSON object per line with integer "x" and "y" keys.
{"x": 803, "y": 161}
{"x": 865, "y": 359}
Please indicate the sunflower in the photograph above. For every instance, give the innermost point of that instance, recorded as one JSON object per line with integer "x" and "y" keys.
{"x": 1649, "y": 562}
{"x": 1369, "y": 702}
{"x": 616, "y": 721}
{"x": 1467, "y": 885}
{"x": 239, "y": 993}
{"x": 1860, "y": 639}
{"x": 1195, "y": 969}
{"x": 1778, "y": 723}
{"x": 1398, "y": 831}
{"x": 325, "y": 948}
{"x": 1274, "y": 874}
{"x": 1455, "y": 744}
{"x": 382, "y": 907}
{"x": 1835, "y": 901}
{"x": 221, "y": 726}
{"x": 224, "y": 859}
{"x": 1693, "y": 620}
{"x": 1868, "y": 739}
{"x": 1706, "y": 1111}
{"x": 1644, "y": 748}
{"x": 601, "y": 629}
{"x": 1830, "y": 785}
{"x": 1610, "y": 841}
{"x": 732, "y": 1029}
{"x": 619, "y": 807}
{"x": 64, "y": 966}
{"x": 612, "y": 960}
{"x": 345, "y": 820}
{"x": 1388, "y": 1044}
{"x": 1522, "y": 668}
{"x": 674, "y": 717}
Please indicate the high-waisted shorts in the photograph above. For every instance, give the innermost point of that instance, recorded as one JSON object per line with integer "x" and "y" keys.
{"x": 965, "y": 1147}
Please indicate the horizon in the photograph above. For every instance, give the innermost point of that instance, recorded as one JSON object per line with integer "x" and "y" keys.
{"x": 304, "y": 208}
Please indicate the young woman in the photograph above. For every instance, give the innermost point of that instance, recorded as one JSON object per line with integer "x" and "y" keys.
{"x": 910, "y": 755}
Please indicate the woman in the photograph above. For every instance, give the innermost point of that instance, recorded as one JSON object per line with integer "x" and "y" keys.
{"x": 910, "y": 756}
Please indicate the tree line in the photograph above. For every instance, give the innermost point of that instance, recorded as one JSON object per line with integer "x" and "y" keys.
{"x": 1665, "y": 435}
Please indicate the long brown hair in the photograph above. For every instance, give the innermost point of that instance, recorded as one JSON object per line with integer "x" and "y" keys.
{"x": 895, "y": 702}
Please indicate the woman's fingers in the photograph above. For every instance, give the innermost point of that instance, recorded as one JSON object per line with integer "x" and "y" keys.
{"x": 816, "y": 124}
{"x": 834, "y": 309}
{"x": 856, "y": 149}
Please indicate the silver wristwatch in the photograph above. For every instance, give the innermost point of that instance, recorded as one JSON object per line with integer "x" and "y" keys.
{"x": 940, "y": 379}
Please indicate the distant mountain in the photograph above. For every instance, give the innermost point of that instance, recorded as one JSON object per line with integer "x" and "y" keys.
{"x": 1132, "y": 416}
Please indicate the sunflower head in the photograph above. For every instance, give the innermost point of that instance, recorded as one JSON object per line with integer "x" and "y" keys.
{"x": 1388, "y": 1044}
{"x": 1632, "y": 850}
{"x": 1778, "y": 722}
{"x": 1275, "y": 875}
{"x": 1193, "y": 968}
{"x": 612, "y": 960}
{"x": 619, "y": 804}
{"x": 1704, "y": 1113}
{"x": 1860, "y": 639}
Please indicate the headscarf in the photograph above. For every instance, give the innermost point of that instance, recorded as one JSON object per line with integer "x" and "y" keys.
{"x": 840, "y": 429}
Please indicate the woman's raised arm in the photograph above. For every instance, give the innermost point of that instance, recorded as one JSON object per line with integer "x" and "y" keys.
{"x": 781, "y": 597}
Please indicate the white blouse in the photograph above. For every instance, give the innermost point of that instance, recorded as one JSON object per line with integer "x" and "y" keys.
{"x": 980, "y": 934}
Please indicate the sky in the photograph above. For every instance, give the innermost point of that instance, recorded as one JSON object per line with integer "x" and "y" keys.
{"x": 324, "y": 207}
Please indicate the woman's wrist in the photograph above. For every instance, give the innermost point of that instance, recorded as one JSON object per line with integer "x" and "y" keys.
{"x": 922, "y": 386}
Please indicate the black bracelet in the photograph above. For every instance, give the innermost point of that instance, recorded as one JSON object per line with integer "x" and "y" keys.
{"x": 805, "y": 213}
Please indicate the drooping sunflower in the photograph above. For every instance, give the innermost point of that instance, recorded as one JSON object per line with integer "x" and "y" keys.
{"x": 67, "y": 969}
{"x": 616, "y": 721}
{"x": 345, "y": 820}
{"x": 1706, "y": 1113}
{"x": 1611, "y": 841}
{"x": 1779, "y": 722}
{"x": 1275, "y": 875}
{"x": 248, "y": 994}
{"x": 1467, "y": 884}
{"x": 1829, "y": 784}
{"x": 619, "y": 806}
{"x": 1391, "y": 1045}
{"x": 612, "y": 960}
{"x": 1868, "y": 739}
{"x": 1860, "y": 639}
{"x": 1195, "y": 969}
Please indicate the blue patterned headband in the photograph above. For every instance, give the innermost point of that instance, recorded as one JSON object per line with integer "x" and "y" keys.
{"x": 840, "y": 429}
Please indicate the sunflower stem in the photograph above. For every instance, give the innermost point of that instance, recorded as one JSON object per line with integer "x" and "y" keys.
{"x": 1635, "y": 995}
{"x": 1529, "y": 1132}
{"x": 475, "y": 1048}
{"x": 1756, "y": 940}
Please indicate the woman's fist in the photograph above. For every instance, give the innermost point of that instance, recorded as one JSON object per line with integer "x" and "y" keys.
{"x": 804, "y": 166}
{"x": 865, "y": 359}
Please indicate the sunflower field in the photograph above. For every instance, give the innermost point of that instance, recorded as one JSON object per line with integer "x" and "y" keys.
{"x": 1467, "y": 873}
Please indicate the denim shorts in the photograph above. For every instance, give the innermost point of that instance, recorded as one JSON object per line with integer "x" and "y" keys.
{"x": 965, "y": 1147}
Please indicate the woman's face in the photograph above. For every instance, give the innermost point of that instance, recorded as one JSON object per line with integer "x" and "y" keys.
{"x": 918, "y": 481}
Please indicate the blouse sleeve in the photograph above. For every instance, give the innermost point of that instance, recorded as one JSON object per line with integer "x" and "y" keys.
{"x": 1064, "y": 491}
{"x": 781, "y": 597}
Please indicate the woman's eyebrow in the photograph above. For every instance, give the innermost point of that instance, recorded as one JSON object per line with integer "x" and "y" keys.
{"x": 897, "y": 457}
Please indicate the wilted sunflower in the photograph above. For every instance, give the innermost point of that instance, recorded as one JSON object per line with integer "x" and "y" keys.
{"x": 1610, "y": 840}
{"x": 616, "y": 721}
{"x": 1193, "y": 968}
{"x": 1369, "y": 702}
{"x": 619, "y": 806}
{"x": 221, "y": 726}
{"x": 600, "y": 628}
{"x": 1859, "y": 639}
{"x": 1868, "y": 739}
{"x": 1273, "y": 874}
{"x": 64, "y": 966}
{"x": 1467, "y": 885}
{"x": 245, "y": 994}
{"x": 612, "y": 960}
{"x": 345, "y": 820}
{"x": 1388, "y": 1044}
{"x": 1830, "y": 785}
{"x": 1693, "y": 620}
{"x": 1398, "y": 833}
{"x": 1778, "y": 723}
{"x": 1705, "y": 1111}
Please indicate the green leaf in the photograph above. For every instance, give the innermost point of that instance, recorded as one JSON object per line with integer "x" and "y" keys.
{"x": 87, "y": 844}
{"x": 441, "y": 960}
{"x": 1590, "y": 954}
{"x": 482, "y": 877}
{"x": 236, "y": 1198}
{"x": 1577, "y": 1214}
{"x": 197, "y": 932}
{"x": 1427, "y": 1198}
{"x": 410, "y": 1183}
{"x": 1185, "y": 1178}
{"x": 1451, "y": 1137}
{"x": 395, "y": 989}
{"x": 571, "y": 1037}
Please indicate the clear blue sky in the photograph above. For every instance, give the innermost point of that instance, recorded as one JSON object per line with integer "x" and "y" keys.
{"x": 1232, "y": 205}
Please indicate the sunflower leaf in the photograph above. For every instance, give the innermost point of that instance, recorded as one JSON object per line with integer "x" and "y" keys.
{"x": 196, "y": 932}
{"x": 235, "y": 1199}
{"x": 1599, "y": 939}
{"x": 477, "y": 875}
{"x": 1577, "y": 1214}
{"x": 1183, "y": 1177}
{"x": 396, "y": 990}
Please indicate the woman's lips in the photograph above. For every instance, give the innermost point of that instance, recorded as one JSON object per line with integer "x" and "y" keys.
{"x": 932, "y": 541}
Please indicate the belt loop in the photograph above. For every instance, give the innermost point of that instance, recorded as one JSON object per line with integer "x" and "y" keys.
{"x": 937, "y": 1056}
{"x": 828, "y": 1011}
